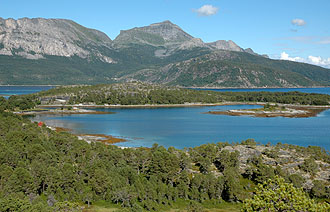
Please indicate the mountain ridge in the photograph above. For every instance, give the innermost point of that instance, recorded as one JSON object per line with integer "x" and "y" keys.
{"x": 61, "y": 51}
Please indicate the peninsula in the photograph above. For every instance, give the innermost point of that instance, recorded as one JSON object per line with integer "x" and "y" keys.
{"x": 275, "y": 110}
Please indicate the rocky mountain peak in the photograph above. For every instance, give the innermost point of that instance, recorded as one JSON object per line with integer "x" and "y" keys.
{"x": 36, "y": 37}
{"x": 157, "y": 34}
{"x": 225, "y": 45}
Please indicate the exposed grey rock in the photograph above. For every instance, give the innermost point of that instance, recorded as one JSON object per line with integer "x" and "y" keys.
{"x": 32, "y": 38}
{"x": 225, "y": 45}
{"x": 30, "y": 56}
{"x": 192, "y": 43}
{"x": 163, "y": 33}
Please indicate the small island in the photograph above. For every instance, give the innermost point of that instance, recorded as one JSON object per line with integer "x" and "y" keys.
{"x": 275, "y": 110}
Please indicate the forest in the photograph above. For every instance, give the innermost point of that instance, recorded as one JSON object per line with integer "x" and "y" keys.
{"x": 137, "y": 93}
{"x": 43, "y": 170}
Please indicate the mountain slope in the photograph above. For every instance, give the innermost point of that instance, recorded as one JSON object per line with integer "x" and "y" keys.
{"x": 233, "y": 69}
{"x": 164, "y": 33}
{"x": 33, "y": 38}
{"x": 58, "y": 51}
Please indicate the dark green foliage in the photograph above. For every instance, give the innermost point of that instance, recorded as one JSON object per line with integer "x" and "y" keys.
{"x": 37, "y": 161}
{"x": 258, "y": 171}
{"x": 271, "y": 153}
{"x": 142, "y": 93}
{"x": 21, "y": 102}
{"x": 297, "y": 180}
{"x": 319, "y": 190}
{"x": 278, "y": 97}
{"x": 309, "y": 165}
{"x": 249, "y": 142}
{"x": 129, "y": 94}
{"x": 42, "y": 170}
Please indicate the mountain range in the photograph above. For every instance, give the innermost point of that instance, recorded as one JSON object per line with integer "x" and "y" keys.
{"x": 59, "y": 51}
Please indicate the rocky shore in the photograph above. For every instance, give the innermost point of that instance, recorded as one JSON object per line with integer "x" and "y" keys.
{"x": 283, "y": 111}
{"x": 62, "y": 111}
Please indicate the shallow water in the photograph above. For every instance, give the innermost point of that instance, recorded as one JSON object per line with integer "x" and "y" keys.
{"x": 190, "y": 126}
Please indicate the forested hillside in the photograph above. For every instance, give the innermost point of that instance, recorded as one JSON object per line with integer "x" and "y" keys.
{"x": 42, "y": 170}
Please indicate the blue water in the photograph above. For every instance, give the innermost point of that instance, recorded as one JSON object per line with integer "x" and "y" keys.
{"x": 304, "y": 90}
{"x": 7, "y": 91}
{"x": 189, "y": 127}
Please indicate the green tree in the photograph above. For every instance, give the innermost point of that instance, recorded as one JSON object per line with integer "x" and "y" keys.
{"x": 276, "y": 195}
{"x": 309, "y": 166}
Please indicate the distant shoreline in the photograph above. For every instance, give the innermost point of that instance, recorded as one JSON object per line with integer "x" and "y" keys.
{"x": 183, "y": 87}
{"x": 179, "y": 105}
{"x": 28, "y": 85}
{"x": 289, "y": 112}
{"x": 255, "y": 87}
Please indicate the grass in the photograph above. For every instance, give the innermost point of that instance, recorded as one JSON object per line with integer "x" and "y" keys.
{"x": 180, "y": 205}
{"x": 102, "y": 206}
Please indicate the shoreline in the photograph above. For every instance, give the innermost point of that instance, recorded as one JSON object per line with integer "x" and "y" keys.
{"x": 185, "y": 87}
{"x": 105, "y": 139}
{"x": 289, "y": 112}
{"x": 255, "y": 87}
{"x": 135, "y": 106}
{"x": 62, "y": 113}
{"x": 182, "y": 105}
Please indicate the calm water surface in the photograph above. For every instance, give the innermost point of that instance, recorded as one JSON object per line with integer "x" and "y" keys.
{"x": 189, "y": 127}
{"x": 20, "y": 90}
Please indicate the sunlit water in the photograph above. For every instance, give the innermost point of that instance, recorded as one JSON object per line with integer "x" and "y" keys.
{"x": 7, "y": 91}
{"x": 190, "y": 126}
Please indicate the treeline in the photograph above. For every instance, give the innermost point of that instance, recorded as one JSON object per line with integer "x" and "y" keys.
{"x": 294, "y": 97}
{"x": 42, "y": 170}
{"x": 129, "y": 94}
{"x": 16, "y": 102}
{"x": 142, "y": 93}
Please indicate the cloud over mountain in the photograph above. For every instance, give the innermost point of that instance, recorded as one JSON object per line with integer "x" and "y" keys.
{"x": 315, "y": 60}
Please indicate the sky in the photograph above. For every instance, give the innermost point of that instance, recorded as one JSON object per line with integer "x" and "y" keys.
{"x": 297, "y": 30}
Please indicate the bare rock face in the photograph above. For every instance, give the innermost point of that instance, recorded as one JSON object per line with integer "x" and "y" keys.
{"x": 38, "y": 37}
{"x": 33, "y": 38}
{"x": 158, "y": 34}
{"x": 225, "y": 45}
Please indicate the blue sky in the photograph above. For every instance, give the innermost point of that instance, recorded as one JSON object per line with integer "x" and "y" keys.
{"x": 296, "y": 30}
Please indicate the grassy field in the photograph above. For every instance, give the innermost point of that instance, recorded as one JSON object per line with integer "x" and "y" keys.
{"x": 181, "y": 206}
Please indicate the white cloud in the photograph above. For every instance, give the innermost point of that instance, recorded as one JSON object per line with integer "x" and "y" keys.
{"x": 298, "y": 22}
{"x": 285, "y": 56}
{"x": 315, "y": 60}
{"x": 207, "y": 10}
{"x": 319, "y": 61}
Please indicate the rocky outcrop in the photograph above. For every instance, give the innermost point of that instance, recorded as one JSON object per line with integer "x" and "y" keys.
{"x": 34, "y": 38}
{"x": 159, "y": 34}
{"x": 38, "y": 51}
{"x": 225, "y": 45}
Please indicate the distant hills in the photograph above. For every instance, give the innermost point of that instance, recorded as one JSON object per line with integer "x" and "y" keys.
{"x": 58, "y": 51}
